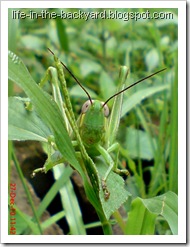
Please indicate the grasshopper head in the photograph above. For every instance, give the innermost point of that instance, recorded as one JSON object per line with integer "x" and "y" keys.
{"x": 95, "y": 104}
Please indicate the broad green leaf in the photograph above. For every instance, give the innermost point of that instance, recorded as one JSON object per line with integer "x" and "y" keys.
{"x": 137, "y": 97}
{"x": 24, "y": 124}
{"x": 115, "y": 185}
{"x": 167, "y": 206}
{"x": 140, "y": 220}
{"x": 45, "y": 107}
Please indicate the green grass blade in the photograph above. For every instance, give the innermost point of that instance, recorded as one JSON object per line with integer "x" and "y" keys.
{"x": 173, "y": 167}
{"x": 53, "y": 190}
{"x": 116, "y": 109}
{"x": 62, "y": 35}
{"x": 12, "y": 31}
{"x": 12, "y": 40}
{"x": 23, "y": 222}
{"x": 70, "y": 204}
{"x": 159, "y": 176}
{"x": 53, "y": 219}
{"x": 27, "y": 193}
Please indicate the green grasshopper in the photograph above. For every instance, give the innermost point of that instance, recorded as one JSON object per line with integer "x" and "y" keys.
{"x": 92, "y": 128}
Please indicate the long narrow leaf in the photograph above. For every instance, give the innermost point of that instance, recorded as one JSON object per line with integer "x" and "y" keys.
{"x": 116, "y": 109}
{"x": 70, "y": 204}
{"x": 46, "y": 108}
{"x": 173, "y": 171}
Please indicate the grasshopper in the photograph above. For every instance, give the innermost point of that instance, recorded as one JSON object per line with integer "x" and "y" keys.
{"x": 91, "y": 129}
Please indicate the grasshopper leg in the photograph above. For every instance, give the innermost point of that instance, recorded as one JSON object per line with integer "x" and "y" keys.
{"x": 42, "y": 169}
{"x": 110, "y": 162}
{"x": 121, "y": 172}
{"x": 107, "y": 158}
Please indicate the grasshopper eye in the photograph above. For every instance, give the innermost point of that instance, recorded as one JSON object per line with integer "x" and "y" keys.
{"x": 86, "y": 105}
{"x": 106, "y": 110}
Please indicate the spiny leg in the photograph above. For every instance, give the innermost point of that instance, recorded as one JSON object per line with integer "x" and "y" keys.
{"x": 112, "y": 166}
{"x": 108, "y": 160}
{"x": 42, "y": 169}
{"x": 121, "y": 172}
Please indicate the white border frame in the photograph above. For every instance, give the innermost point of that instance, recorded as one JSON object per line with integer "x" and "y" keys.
{"x": 181, "y": 237}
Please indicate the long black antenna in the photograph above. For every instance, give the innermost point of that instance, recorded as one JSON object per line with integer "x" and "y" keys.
{"x": 133, "y": 85}
{"x": 73, "y": 77}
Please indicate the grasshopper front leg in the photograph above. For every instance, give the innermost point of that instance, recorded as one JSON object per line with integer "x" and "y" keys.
{"x": 121, "y": 172}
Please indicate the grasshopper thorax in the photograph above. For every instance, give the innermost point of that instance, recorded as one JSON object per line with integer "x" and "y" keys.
{"x": 93, "y": 122}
